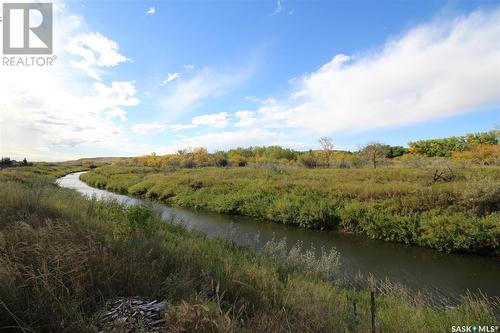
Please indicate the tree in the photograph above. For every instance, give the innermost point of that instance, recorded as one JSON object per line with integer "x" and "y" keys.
{"x": 373, "y": 153}
{"x": 238, "y": 160}
{"x": 200, "y": 156}
{"x": 439, "y": 147}
{"x": 5, "y": 161}
{"x": 393, "y": 151}
{"x": 485, "y": 138}
{"x": 327, "y": 147}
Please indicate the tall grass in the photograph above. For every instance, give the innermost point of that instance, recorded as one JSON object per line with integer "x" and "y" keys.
{"x": 62, "y": 255}
{"x": 457, "y": 211}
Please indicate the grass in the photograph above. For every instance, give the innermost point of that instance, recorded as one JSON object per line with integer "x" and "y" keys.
{"x": 63, "y": 255}
{"x": 28, "y": 173}
{"x": 448, "y": 210}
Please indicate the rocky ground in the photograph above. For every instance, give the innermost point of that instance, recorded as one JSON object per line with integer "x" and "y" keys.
{"x": 133, "y": 314}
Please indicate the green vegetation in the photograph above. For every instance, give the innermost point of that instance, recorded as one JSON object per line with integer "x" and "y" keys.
{"x": 445, "y": 209}
{"x": 52, "y": 170}
{"x": 446, "y": 147}
{"x": 63, "y": 255}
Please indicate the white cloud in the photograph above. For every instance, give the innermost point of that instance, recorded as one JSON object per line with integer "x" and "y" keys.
{"x": 246, "y": 118}
{"x": 119, "y": 93}
{"x": 188, "y": 68}
{"x": 273, "y": 114}
{"x": 40, "y": 110}
{"x": 265, "y": 101}
{"x": 151, "y": 11}
{"x": 180, "y": 127}
{"x": 170, "y": 78}
{"x": 95, "y": 51}
{"x": 184, "y": 95}
{"x": 148, "y": 128}
{"x": 217, "y": 120}
{"x": 438, "y": 69}
{"x": 117, "y": 113}
{"x": 279, "y": 7}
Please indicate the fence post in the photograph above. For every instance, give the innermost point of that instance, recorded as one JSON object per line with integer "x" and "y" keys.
{"x": 372, "y": 296}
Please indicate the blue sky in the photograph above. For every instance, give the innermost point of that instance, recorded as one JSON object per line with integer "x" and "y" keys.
{"x": 135, "y": 77}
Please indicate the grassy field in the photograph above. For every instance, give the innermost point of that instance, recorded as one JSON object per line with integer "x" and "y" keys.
{"x": 26, "y": 174}
{"x": 453, "y": 210}
{"x": 63, "y": 255}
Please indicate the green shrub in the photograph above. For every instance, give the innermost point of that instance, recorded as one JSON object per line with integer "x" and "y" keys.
{"x": 459, "y": 232}
{"x": 377, "y": 223}
{"x": 309, "y": 211}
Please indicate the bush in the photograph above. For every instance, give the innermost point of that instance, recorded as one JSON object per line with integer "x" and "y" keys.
{"x": 238, "y": 161}
{"x": 481, "y": 195}
{"x": 458, "y": 232}
{"x": 309, "y": 160}
{"x": 307, "y": 211}
{"x": 481, "y": 154}
{"x": 377, "y": 223}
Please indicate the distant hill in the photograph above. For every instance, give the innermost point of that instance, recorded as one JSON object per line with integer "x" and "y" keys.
{"x": 94, "y": 160}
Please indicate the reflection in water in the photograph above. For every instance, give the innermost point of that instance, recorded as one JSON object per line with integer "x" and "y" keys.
{"x": 415, "y": 267}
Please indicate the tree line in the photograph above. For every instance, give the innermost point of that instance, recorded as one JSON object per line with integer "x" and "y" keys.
{"x": 7, "y": 162}
{"x": 447, "y": 146}
{"x": 481, "y": 148}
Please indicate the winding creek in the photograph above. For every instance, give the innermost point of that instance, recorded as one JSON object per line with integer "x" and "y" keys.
{"x": 449, "y": 275}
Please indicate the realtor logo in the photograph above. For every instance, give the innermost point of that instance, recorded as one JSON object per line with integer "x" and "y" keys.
{"x": 27, "y": 28}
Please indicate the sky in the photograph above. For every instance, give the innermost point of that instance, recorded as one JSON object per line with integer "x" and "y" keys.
{"x": 136, "y": 77}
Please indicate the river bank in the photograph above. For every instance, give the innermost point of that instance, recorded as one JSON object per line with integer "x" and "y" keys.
{"x": 458, "y": 214}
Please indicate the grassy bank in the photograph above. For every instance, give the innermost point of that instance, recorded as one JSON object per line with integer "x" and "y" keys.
{"x": 449, "y": 210}
{"x": 62, "y": 256}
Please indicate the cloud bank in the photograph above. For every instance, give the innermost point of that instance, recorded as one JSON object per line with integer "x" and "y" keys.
{"x": 439, "y": 69}
{"x": 53, "y": 113}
